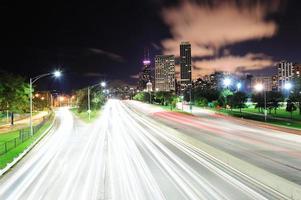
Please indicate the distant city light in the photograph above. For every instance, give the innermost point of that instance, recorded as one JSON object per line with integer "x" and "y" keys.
{"x": 288, "y": 86}
{"x": 103, "y": 84}
{"x": 259, "y": 87}
{"x": 146, "y": 62}
{"x": 227, "y": 82}
{"x": 62, "y": 98}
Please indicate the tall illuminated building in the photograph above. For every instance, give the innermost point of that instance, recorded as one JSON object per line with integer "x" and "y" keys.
{"x": 185, "y": 63}
{"x": 145, "y": 75}
{"x": 165, "y": 73}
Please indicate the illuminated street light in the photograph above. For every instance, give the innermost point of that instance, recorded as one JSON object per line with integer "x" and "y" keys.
{"x": 238, "y": 86}
{"x": 259, "y": 87}
{"x": 56, "y": 74}
{"x": 227, "y": 82}
{"x": 288, "y": 86}
{"x": 103, "y": 84}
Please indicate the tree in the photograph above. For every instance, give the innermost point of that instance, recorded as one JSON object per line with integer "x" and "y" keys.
{"x": 164, "y": 98}
{"x": 295, "y": 96}
{"x": 290, "y": 107}
{"x": 237, "y": 100}
{"x": 223, "y": 97}
{"x": 142, "y": 96}
{"x": 201, "y": 92}
{"x": 273, "y": 100}
{"x": 258, "y": 99}
{"x": 14, "y": 92}
{"x": 82, "y": 100}
{"x": 97, "y": 99}
{"x": 201, "y": 102}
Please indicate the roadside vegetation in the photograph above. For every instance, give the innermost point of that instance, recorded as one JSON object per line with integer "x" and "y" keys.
{"x": 15, "y": 146}
{"x": 14, "y": 105}
{"x": 282, "y": 109}
{"x": 97, "y": 100}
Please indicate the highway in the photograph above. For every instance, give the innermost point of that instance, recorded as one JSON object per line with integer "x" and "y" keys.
{"x": 129, "y": 154}
{"x": 275, "y": 151}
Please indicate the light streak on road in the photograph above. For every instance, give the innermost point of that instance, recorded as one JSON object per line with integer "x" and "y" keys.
{"x": 121, "y": 156}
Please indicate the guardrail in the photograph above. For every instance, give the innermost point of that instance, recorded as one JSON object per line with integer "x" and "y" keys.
{"x": 24, "y": 135}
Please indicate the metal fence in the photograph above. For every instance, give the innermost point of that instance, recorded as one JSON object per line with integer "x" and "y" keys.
{"x": 24, "y": 135}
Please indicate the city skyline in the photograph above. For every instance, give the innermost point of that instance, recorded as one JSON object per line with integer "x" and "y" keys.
{"x": 92, "y": 44}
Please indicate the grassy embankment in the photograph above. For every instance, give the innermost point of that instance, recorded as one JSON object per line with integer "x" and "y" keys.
{"x": 11, "y": 154}
{"x": 280, "y": 118}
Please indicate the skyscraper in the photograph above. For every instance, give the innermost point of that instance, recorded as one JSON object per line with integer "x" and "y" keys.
{"x": 165, "y": 73}
{"x": 146, "y": 74}
{"x": 185, "y": 62}
{"x": 286, "y": 73}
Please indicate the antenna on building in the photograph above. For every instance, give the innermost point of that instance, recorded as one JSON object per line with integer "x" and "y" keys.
{"x": 146, "y": 60}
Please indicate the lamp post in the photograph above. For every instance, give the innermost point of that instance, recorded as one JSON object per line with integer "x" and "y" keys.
{"x": 288, "y": 86}
{"x": 102, "y": 84}
{"x": 227, "y": 83}
{"x": 260, "y": 88}
{"x": 31, "y": 82}
{"x": 238, "y": 86}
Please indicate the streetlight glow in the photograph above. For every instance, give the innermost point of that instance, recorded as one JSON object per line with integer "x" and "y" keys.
{"x": 57, "y": 73}
{"x": 238, "y": 86}
{"x": 259, "y": 87}
{"x": 288, "y": 86}
{"x": 227, "y": 82}
{"x": 103, "y": 84}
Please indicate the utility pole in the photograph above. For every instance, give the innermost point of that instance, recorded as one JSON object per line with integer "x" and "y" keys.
{"x": 261, "y": 88}
{"x": 30, "y": 97}
{"x": 89, "y": 106}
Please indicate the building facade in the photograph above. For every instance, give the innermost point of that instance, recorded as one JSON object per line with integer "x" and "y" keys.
{"x": 285, "y": 73}
{"x": 146, "y": 74}
{"x": 267, "y": 81}
{"x": 297, "y": 70}
{"x": 185, "y": 63}
{"x": 165, "y": 73}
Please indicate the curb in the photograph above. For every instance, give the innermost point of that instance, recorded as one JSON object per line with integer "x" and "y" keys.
{"x": 27, "y": 150}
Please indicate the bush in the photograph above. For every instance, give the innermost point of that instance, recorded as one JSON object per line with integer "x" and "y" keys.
{"x": 202, "y": 102}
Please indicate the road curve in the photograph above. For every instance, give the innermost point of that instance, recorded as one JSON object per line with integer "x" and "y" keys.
{"x": 121, "y": 156}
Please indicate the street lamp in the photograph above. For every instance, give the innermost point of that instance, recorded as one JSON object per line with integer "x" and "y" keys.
{"x": 238, "y": 86}
{"x": 227, "y": 82}
{"x": 56, "y": 74}
{"x": 260, "y": 88}
{"x": 288, "y": 86}
{"x": 102, "y": 84}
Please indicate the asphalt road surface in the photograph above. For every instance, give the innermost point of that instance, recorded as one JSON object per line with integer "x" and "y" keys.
{"x": 125, "y": 155}
{"x": 275, "y": 151}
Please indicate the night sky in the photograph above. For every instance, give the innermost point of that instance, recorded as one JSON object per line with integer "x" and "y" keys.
{"x": 106, "y": 40}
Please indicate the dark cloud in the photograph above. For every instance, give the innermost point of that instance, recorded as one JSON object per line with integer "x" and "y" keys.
{"x": 110, "y": 55}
